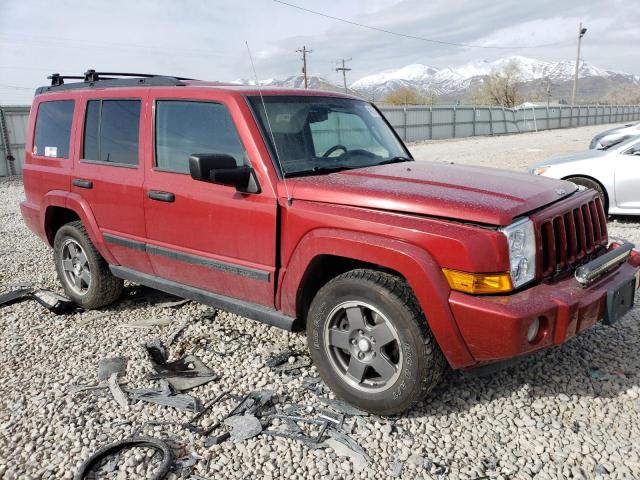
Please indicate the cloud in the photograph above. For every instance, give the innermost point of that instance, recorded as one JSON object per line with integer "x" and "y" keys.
{"x": 206, "y": 39}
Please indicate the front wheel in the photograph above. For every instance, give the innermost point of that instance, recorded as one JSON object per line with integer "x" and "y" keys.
{"x": 371, "y": 343}
{"x": 83, "y": 272}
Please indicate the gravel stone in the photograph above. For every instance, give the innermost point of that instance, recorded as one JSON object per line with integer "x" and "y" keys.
{"x": 544, "y": 418}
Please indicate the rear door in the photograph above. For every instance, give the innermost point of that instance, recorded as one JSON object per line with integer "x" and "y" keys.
{"x": 109, "y": 175}
{"x": 201, "y": 234}
{"x": 627, "y": 177}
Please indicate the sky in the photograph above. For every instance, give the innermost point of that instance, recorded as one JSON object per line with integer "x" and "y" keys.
{"x": 206, "y": 39}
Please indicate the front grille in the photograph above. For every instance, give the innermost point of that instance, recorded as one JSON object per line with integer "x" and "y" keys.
{"x": 566, "y": 238}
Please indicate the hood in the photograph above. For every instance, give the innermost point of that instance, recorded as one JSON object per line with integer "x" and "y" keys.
{"x": 467, "y": 193}
{"x": 574, "y": 157}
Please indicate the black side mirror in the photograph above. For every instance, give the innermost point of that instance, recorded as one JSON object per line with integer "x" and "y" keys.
{"x": 222, "y": 169}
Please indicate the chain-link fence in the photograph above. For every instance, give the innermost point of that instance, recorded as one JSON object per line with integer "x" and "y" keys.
{"x": 413, "y": 123}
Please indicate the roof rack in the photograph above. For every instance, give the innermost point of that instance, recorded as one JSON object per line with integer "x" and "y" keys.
{"x": 92, "y": 79}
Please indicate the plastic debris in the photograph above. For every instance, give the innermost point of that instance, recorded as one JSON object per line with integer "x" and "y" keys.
{"x": 109, "y": 366}
{"x": 243, "y": 427}
{"x": 279, "y": 358}
{"x": 110, "y": 369}
{"x": 172, "y": 304}
{"x": 54, "y": 302}
{"x": 288, "y": 366}
{"x": 396, "y": 469}
{"x": 149, "y": 322}
{"x": 177, "y": 332}
{"x": 166, "y": 396}
{"x": 182, "y": 374}
{"x": 342, "y": 407}
{"x": 346, "y": 447}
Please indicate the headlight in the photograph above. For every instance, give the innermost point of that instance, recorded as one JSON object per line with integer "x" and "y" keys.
{"x": 522, "y": 251}
{"x": 539, "y": 170}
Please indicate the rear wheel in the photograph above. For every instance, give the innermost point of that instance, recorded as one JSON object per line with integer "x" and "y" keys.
{"x": 589, "y": 183}
{"x": 83, "y": 272}
{"x": 371, "y": 343}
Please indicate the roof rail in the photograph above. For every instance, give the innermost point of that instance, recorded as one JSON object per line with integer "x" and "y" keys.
{"x": 93, "y": 79}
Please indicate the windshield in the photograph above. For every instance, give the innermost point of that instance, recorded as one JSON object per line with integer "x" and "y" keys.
{"x": 325, "y": 134}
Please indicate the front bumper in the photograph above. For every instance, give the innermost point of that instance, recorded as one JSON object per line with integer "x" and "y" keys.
{"x": 495, "y": 328}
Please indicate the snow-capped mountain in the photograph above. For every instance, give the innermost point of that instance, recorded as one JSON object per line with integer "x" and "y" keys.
{"x": 295, "y": 81}
{"x": 458, "y": 80}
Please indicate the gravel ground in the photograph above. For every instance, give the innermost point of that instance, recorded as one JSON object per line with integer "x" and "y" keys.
{"x": 570, "y": 412}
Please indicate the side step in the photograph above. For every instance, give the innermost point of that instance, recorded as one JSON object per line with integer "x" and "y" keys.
{"x": 233, "y": 305}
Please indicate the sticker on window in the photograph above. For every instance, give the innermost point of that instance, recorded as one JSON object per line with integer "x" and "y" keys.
{"x": 372, "y": 111}
{"x": 50, "y": 151}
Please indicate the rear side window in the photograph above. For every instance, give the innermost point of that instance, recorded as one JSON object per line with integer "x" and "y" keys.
{"x": 111, "y": 131}
{"x": 53, "y": 129}
{"x": 184, "y": 128}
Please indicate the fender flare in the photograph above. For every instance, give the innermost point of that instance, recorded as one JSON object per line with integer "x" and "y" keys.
{"x": 415, "y": 264}
{"x": 74, "y": 202}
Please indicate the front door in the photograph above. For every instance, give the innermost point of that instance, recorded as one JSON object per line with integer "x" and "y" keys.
{"x": 201, "y": 234}
{"x": 627, "y": 177}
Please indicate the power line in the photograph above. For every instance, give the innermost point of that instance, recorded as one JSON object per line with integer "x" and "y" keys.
{"x": 414, "y": 37}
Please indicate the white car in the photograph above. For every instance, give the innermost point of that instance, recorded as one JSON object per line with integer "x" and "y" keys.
{"x": 609, "y": 138}
{"x": 614, "y": 173}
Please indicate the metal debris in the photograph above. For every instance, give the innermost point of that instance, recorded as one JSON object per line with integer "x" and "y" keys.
{"x": 182, "y": 374}
{"x": 306, "y": 440}
{"x": 243, "y": 427}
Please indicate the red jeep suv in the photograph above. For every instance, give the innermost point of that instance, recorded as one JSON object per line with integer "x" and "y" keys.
{"x": 304, "y": 208}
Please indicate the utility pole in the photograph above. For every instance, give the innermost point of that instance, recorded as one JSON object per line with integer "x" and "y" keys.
{"x": 344, "y": 71}
{"x": 548, "y": 92}
{"x": 304, "y": 52}
{"x": 581, "y": 32}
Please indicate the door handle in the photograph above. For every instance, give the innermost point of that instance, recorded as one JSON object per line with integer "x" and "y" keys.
{"x": 161, "y": 196}
{"x": 82, "y": 183}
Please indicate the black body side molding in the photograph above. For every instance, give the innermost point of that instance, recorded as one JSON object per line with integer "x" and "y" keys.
{"x": 239, "y": 307}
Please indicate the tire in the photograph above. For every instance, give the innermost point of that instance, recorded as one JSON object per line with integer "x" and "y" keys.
{"x": 589, "y": 183}
{"x": 85, "y": 277}
{"x": 339, "y": 348}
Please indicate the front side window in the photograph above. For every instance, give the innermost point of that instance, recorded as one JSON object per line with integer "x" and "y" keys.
{"x": 111, "y": 131}
{"x": 53, "y": 129}
{"x": 312, "y": 134}
{"x": 187, "y": 127}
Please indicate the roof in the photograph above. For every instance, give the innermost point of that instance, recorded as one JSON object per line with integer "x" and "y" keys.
{"x": 102, "y": 80}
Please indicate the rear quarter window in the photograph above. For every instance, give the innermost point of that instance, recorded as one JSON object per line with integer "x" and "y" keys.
{"x": 53, "y": 129}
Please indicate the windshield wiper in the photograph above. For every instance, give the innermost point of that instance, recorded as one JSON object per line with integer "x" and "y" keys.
{"x": 397, "y": 159}
{"x": 314, "y": 170}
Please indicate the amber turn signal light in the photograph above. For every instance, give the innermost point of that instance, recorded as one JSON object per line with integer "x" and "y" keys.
{"x": 478, "y": 282}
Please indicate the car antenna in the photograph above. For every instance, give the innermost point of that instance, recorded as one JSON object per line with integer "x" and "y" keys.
{"x": 266, "y": 114}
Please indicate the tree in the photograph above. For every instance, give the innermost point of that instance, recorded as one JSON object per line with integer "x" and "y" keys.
{"x": 624, "y": 95}
{"x": 500, "y": 87}
{"x": 407, "y": 96}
